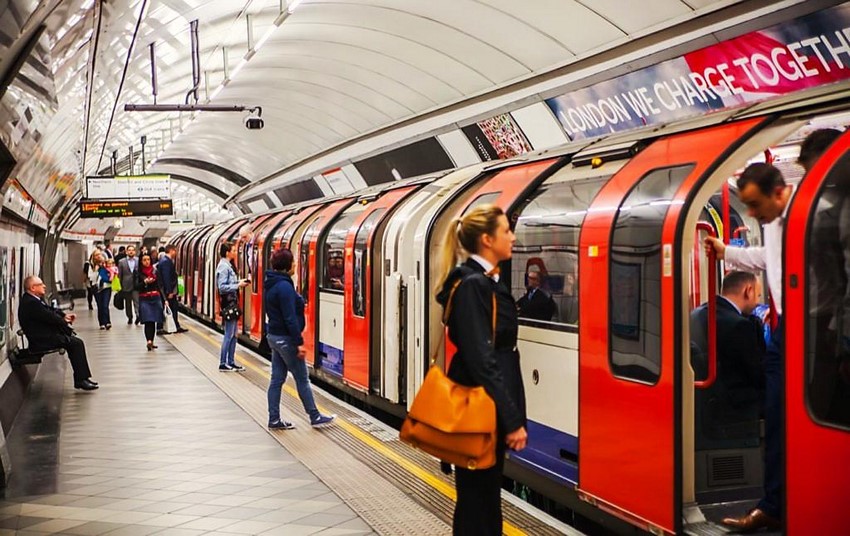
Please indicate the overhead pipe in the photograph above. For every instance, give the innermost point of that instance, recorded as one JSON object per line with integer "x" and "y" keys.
{"x": 196, "y": 61}
{"x": 153, "y": 71}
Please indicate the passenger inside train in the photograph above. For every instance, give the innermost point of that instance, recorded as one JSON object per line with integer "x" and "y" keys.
{"x": 732, "y": 407}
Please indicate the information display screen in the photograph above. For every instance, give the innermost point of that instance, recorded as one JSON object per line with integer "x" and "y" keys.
{"x": 126, "y": 208}
{"x": 129, "y": 187}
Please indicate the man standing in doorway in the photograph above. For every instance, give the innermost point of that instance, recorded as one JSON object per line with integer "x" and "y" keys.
{"x": 127, "y": 272}
{"x": 762, "y": 188}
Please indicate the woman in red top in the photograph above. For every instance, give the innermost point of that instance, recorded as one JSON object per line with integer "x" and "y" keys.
{"x": 150, "y": 300}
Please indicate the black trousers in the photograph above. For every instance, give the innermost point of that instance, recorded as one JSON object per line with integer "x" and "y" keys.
{"x": 478, "y": 510}
{"x": 76, "y": 349}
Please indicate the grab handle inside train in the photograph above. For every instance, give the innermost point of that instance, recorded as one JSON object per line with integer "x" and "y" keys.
{"x": 712, "y": 311}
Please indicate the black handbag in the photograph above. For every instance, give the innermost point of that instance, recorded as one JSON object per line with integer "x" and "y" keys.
{"x": 230, "y": 307}
{"x": 118, "y": 300}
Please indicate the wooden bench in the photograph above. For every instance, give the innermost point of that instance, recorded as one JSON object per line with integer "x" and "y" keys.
{"x": 22, "y": 355}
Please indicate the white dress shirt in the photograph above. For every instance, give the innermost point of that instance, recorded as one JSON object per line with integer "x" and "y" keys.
{"x": 486, "y": 265}
{"x": 767, "y": 258}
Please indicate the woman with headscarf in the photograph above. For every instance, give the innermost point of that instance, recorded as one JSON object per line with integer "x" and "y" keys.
{"x": 150, "y": 300}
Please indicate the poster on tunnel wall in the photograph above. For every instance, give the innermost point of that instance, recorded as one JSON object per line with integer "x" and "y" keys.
{"x": 498, "y": 137}
{"x": 803, "y": 53}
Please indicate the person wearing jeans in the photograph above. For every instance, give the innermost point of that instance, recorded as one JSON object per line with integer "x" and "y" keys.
{"x": 228, "y": 284}
{"x": 285, "y": 312}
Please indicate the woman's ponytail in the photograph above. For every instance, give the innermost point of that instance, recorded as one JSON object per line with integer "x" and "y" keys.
{"x": 463, "y": 236}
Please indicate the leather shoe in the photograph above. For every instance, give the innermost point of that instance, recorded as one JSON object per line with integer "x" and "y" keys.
{"x": 91, "y": 381}
{"x": 86, "y": 385}
{"x": 755, "y": 520}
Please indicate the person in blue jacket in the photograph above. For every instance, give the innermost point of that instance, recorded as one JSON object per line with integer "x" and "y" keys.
{"x": 285, "y": 313}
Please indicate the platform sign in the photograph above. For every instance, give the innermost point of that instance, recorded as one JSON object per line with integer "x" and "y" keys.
{"x": 803, "y": 53}
{"x": 125, "y": 208}
{"x": 129, "y": 187}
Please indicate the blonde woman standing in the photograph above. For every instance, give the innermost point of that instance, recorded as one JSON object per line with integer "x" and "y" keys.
{"x": 483, "y": 238}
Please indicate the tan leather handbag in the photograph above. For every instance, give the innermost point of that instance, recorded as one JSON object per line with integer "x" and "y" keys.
{"x": 453, "y": 422}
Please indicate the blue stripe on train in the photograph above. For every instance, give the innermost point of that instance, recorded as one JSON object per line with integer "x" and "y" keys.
{"x": 543, "y": 454}
{"x": 332, "y": 358}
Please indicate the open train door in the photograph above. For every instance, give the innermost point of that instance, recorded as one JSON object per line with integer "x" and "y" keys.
{"x": 817, "y": 347}
{"x": 631, "y": 450}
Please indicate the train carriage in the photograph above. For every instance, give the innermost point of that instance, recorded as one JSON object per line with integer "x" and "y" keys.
{"x": 613, "y": 227}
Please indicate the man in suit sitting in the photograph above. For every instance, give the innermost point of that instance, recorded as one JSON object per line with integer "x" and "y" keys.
{"x": 48, "y": 328}
{"x": 536, "y": 304}
{"x": 731, "y": 407}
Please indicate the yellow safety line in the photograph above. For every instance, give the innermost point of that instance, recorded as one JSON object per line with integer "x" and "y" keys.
{"x": 368, "y": 439}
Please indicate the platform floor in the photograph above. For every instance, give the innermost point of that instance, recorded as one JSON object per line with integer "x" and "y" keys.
{"x": 170, "y": 445}
{"x": 156, "y": 450}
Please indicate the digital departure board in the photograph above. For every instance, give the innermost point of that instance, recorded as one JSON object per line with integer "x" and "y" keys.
{"x": 125, "y": 208}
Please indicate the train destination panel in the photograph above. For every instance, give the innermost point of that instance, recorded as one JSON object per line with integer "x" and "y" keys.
{"x": 125, "y": 208}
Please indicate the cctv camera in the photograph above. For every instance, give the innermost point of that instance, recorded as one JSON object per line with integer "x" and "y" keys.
{"x": 254, "y": 123}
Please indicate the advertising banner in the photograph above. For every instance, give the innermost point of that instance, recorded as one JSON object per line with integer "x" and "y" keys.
{"x": 496, "y": 138}
{"x": 807, "y": 52}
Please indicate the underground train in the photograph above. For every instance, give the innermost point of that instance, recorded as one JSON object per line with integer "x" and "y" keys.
{"x": 617, "y": 417}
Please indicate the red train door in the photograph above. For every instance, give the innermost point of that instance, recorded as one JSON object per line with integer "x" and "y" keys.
{"x": 262, "y": 250}
{"x": 630, "y": 377}
{"x": 358, "y": 293}
{"x": 247, "y": 263}
{"x": 308, "y": 279}
{"x": 817, "y": 351}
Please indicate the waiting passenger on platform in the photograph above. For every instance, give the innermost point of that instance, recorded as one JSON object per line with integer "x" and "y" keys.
{"x": 167, "y": 277}
{"x": 228, "y": 284}
{"x": 483, "y": 358}
{"x": 127, "y": 272}
{"x": 536, "y": 304}
{"x": 737, "y": 394}
{"x": 90, "y": 291}
{"x": 150, "y": 301}
{"x": 48, "y": 328}
{"x": 122, "y": 252}
{"x": 100, "y": 280}
{"x": 285, "y": 313}
{"x": 762, "y": 188}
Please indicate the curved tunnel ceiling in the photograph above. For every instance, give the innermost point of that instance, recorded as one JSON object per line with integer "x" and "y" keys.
{"x": 324, "y": 72}
{"x": 336, "y": 69}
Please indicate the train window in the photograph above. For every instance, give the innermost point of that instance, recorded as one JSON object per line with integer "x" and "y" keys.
{"x": 635, "y": 275}
{"x": 334, "y": 252}
{"x": 255, "y": 277}
{"x": 482, "y": 199}
{"x": 361, "y": 241}
{"x": 546, "y": 251}
{"x": 828, "y": 295}
{"x": 304, "y": 259}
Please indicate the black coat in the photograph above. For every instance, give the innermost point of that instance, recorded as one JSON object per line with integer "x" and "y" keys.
{"x": 478, "y": 360}
{"x": 44, "y": 326}
{"x": 541, "y": 306}
{"x": 737, "y": 393}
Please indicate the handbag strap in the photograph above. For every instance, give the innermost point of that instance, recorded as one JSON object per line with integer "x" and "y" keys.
{"x": 448, "y": 310}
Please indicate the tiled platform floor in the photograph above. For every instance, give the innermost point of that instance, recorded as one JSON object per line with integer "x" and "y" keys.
{"x": 157, "y": 449}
